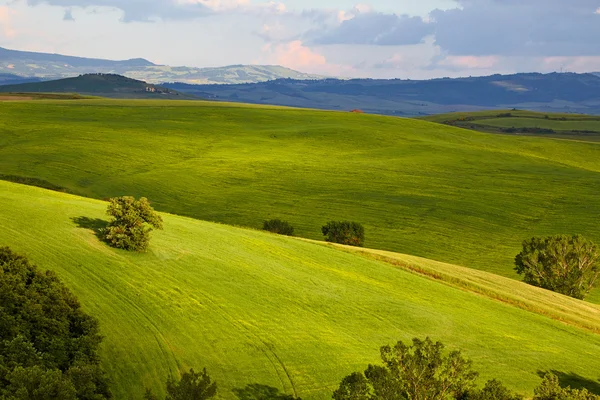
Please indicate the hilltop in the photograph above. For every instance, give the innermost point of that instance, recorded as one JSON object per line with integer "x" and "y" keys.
{"x": 56, "y": 66}
{"x": 555, "y": 92}
{"x": 419, "y": 188}
{"x": 104, "y": 85}
{"x": 259, "y": 308}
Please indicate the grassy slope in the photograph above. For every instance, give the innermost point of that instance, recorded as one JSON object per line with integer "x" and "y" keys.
{"x": 419, "y": 188}
{"x": 259, "y": 308}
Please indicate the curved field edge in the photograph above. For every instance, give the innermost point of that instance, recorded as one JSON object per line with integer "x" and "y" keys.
{"x": 556, "y": 306}
{"x": 254, "y": 307}
{"x": 419, "y": 188}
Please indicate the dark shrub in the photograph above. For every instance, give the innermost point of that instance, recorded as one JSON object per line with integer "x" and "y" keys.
{"x": 344, "y": 232}
{"x": 279, "y": 226}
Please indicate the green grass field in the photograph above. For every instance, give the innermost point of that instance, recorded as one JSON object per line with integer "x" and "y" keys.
{"x": 564, "y": 126}
{"x": 419, "y": 188}
{"x": 259, "y": 308}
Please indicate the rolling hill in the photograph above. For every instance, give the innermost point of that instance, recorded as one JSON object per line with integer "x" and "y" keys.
{"x": 57, "y": 66}
{"x": 566, "y": 126}
{"x": 104, "y": 85}
{"x": 565, "y": 92}
{"x": 419, "y": 188}
{"x": 260, "y": 308}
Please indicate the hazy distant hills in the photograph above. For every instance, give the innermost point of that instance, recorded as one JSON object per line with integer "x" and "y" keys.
{"x": 564, "y": 92}
{"x": 55, "y": 66}
{"x": 104, "y": 85}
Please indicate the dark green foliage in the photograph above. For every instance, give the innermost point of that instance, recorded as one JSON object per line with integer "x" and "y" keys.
{"x": 550, "y": 389}
{"x": 344, "y": 232}
{"x": 192, "y": 386}
{"x": 565, "y": 264}
{"x": 132, "y": 223}
{"x": 279, "y": 226}
{"x": 421, "y": 371}
{"x": 48, "y": 346}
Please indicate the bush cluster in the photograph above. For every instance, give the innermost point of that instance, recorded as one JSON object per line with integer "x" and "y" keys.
{"x": 344, "y": 232}
{"x": 279, "y": 226}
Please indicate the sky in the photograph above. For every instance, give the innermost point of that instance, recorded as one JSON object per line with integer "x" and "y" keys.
{"x": 407, "y": 39}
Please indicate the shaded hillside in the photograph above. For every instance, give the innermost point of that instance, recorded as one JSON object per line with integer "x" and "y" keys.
{"x": 105, "y": 85}
{"x": 551, "y": 92}
{"x": 419, "y": 188}
{"x": 258, "y": 308}
{"x": 56, "y": 66}
{"x": 11, "y": 79}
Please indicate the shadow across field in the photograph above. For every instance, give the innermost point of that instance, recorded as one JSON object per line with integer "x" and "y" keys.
{"x": 575, "y": 381}
{"x": 256, "y": 391}
{"x": 94, "y": 224}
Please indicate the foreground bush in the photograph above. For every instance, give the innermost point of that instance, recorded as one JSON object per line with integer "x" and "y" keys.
{"x": 420, "y": 371}
{"x": 565, "y": 264}
{"x": 191, "y": 386}
{"x": 48, "y": 345}
{"x": 132, "y": 222}
{"x": 279, "y": 226}
{"x": 550, "y": 389}
{"x": 344, "y": 232}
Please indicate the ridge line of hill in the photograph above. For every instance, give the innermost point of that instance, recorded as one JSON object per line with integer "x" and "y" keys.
{"x": 477, "y": 285}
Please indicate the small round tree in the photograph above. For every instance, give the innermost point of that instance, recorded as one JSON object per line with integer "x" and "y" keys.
{"x": 565, "y": 264}
{"x": 344, "y": 232}
{"x": 132, "y": 222}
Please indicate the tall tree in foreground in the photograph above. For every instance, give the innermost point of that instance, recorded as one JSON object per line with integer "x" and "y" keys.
{"x": 132, "y": 222}
{"x": 48, "y": 345}
{"x": 421, "y": 371}
{"x": 565, "y": 264}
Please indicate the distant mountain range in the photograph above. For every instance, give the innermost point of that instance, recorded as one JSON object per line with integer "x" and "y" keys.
{"x": 55, "y": 66}
{"x": 103, "y": 85}
{"x": 564, "y": 92}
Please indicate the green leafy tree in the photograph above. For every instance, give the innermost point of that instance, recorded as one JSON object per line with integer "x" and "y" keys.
{"x": 421, "y": 371}
{"x": 279, "y": 226}
{"x": 565, "y": 264}
{"x": 48, "y": 345}
{"x": 550, "y": 389}
{"x": 344, "y": 232}
{"x": 192, "y": 386}
{"x": 132, "y": 222}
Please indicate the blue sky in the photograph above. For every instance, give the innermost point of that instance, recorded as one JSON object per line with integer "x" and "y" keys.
{"x": 377, "y": 38}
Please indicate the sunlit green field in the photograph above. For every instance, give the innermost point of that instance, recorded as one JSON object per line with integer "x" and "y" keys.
{"x": 418, "y": 188}
{"x": 258, "y": 308}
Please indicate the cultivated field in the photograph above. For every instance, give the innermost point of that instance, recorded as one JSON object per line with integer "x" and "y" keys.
{"x": 551, "y": 125}
{"x": 419, "y": 188}
{"x": 259, "y": 308}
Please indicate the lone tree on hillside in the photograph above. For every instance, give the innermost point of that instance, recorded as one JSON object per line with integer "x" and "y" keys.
{"x": 344, "y": 232}
{"x": 421, "y": 371}
{"x": 132, "y": 223}
{"x": 565, "y": 264}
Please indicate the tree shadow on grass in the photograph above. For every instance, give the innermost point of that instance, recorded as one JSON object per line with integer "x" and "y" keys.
{"x": 574, "y": 380}
{"x": 96, "y": 225}
{"x": 256, "y": 391}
